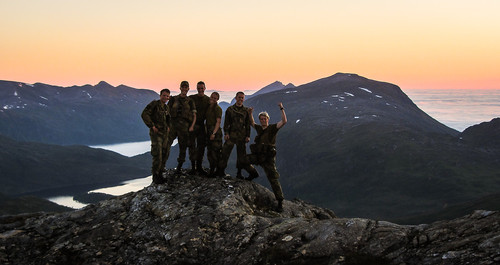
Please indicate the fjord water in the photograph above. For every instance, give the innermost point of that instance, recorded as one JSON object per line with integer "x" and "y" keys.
{"x": 457, "y": 109}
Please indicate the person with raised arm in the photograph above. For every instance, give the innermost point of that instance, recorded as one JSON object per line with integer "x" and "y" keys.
{"x": 263, "y": 150}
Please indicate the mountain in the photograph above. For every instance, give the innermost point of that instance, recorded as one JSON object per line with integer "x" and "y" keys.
{"x": 28, "y": 204}
{"x": 485, "y": 134}
{"x": 275, "y": 86}
{"x": 29, "y": 167}
{"x": 100, "y": 114}
{"x": 363, "y": 148}
{"x": 192, "y": 220}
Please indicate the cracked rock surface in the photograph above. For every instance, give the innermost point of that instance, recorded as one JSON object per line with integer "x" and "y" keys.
{"x": 195, "y": 220}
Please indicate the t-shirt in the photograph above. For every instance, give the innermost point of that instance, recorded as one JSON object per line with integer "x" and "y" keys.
{"x": 212, "y": 114}
{"x": 266, "y": 136}
{"x": 201, "y": 103}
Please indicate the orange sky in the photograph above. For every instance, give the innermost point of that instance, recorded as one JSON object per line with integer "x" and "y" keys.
{"x": 240, "y": 45}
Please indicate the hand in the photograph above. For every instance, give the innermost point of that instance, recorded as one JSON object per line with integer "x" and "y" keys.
{"x": 191, "y": 129}
{"x": 247, "y": 139}
{"x": 250, "y": 110}
{"x": 280, "y": 105}
{"x": 212, "y": 137}
{"x": 155, "y": 130}
{"x": 226, "y": 137}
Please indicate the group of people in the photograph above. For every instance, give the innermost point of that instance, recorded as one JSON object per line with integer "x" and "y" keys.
{"x": 195, "y": 121}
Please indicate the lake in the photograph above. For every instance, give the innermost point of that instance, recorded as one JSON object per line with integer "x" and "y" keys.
{"x": 457, "y": 109}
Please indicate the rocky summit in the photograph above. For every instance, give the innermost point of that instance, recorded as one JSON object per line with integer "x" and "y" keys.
{"x": 195, "y": 220}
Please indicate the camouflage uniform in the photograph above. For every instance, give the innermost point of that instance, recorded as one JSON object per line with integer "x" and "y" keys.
{"x": 264, "y": 155}
{"x": 198, "y": 137}
{"x": 214, "y": 146}
{"x": 237, "y": 126}
{"x": 181, "y": 111}
{"x": 157, "y": 114}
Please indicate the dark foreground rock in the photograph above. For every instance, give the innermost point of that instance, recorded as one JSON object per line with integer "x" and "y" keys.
{"x": 193, "y": 220}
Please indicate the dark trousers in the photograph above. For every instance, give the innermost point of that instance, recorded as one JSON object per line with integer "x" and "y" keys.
{"x": 241, "y": 155}
{"x": 179, "y": 129}
{"x": 198, "y": 142}
{"x": 268, "y": 163}
{"x": 214, "y": 149}
{"x": 159, "y": 151}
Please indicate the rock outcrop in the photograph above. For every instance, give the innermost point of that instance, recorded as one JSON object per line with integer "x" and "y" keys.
{"x": 194, "y": 220}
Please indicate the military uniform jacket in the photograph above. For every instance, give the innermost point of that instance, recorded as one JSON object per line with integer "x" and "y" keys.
{"x": 156, "y": 114}
{"x": 237, "y": 122}
{"x": 182, "y": 107}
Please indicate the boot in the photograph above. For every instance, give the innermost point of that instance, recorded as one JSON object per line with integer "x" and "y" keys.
{"x": 179, "y": 168}
{"x": 211, "y": 174}
{"x": 239, "y": 175}
{"x": 200, "y": 170}
{"x": 157, "y": 178}
{"x": 193, "y": 168}
{"x": 220, "y": 173}
{"x": 280, "y": 206}
{"x": 253, "y": 175}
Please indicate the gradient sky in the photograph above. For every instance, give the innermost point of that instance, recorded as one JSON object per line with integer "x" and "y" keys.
{"x": 239, "y": 45}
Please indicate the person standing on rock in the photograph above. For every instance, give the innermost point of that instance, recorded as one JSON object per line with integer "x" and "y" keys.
{"x": 214, "y": 117}
{"x": 263, "y": 150}
{"x": 183, "y": 113}
{"x": 236, "y": 131}
{"x": 198, "y": 135}
{"x": 157, "y": 117}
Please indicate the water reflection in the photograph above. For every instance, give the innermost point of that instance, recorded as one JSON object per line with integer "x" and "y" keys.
{"x": 124, "y": 187}
{"x": 67, "y": 201}
{"x": 129, "y": 149}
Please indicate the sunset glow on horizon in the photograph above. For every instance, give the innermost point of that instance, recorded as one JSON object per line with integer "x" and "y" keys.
{"x": 236, "y": 45}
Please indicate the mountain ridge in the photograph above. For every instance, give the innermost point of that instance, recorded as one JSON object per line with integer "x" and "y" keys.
{"x": 73, "y": 115}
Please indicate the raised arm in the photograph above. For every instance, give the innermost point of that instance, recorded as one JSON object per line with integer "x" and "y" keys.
{"x": 250, "y": 116}
{"x": 283, "y": 116}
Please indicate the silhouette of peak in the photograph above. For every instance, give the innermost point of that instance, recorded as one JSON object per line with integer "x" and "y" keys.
{"x": 104, "y": 84}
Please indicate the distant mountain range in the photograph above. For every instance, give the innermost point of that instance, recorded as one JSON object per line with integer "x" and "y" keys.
{"x": 100, "y": 114}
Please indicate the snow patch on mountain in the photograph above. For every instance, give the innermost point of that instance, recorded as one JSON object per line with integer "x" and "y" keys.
{"x": 365, "y": 89}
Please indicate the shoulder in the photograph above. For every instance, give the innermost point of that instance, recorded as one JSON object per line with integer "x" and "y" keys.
{"x": 218, "y": 110}
{"x": 153, "y": 103}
